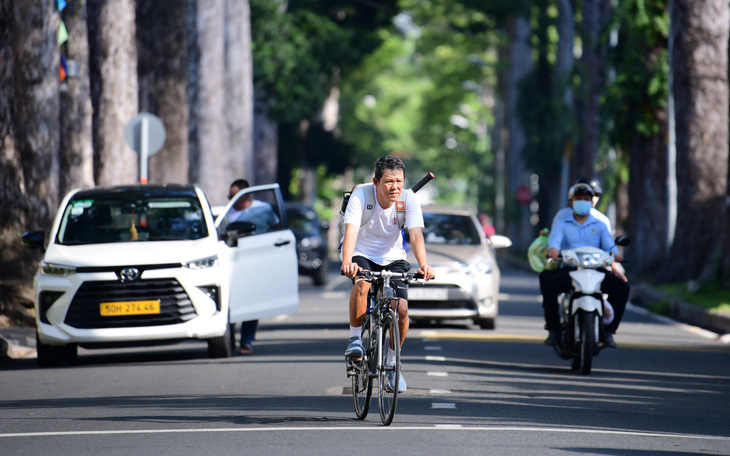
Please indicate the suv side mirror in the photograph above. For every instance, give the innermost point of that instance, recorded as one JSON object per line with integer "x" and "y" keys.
{"x": 236, "y": 230}
{"x": 34, "y": 239}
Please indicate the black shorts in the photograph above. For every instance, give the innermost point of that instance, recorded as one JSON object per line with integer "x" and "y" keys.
{"x": 400, "y": 287}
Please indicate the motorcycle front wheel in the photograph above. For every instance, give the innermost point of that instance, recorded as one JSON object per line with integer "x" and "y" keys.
{"x": 587, "y": 341}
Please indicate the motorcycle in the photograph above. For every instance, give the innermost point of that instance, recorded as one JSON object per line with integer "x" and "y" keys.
{"x": 582, "y": 309}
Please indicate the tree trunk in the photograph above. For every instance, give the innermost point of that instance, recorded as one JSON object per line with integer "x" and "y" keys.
{"x": 266, "y": 144}
{"x": 592, "y": 63}
{"x": 700, "y": 64}
{"x": 77, "y": 156}
{"x": 14, "y": 259}
{"x": 647, "y": 191}
{"x": 36, "y": 108}
{"x": 209, "y": 143}
{"x": 113, "y": 71}
{"x": 520, "y": 64}
{"x": 239, "y": 89}
{"x": 162, "y": 34}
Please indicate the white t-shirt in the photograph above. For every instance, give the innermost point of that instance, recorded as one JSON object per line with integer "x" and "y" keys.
{"x": 379, "y": 239}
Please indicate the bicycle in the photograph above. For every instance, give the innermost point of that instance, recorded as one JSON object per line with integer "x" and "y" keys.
{"x": 379, "y": 332}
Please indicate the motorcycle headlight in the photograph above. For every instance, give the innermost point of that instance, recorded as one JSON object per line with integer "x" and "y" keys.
{"x": 591, "y": 260}
{"x": 202, "y": 263}
{"x": 51, "y": 269}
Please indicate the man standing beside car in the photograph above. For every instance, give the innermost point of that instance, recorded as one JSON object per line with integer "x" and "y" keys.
{"x": 262, "y": 215}
{"x": 377, "y": 245}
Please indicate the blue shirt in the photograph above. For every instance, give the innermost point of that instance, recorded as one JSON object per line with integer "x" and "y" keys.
{"x": 567, "y": 233}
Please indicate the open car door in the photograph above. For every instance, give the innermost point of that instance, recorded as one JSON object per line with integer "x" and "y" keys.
{"x": 261, "y": 254}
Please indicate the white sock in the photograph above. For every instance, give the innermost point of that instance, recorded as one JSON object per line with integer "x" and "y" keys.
{"x": 355, "y": 331}
{"x": 390, "y": 359}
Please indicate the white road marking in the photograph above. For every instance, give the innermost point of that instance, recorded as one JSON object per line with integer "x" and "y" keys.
{"x": 436, "y": 358}
{"x": 339, "y": 295}
{"x": 443, "y": 405}
{"x": 438, "y": 374}
{"x": 432, "y": 348}
{"x": 278, "y": 429}
{"x": 439, "y": 391}
{"x": 279, "y": 318}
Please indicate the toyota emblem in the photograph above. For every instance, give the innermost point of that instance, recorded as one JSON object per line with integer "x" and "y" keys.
{"x": 129, "y": 275}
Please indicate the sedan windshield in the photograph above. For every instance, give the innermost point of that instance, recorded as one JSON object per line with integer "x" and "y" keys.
{"x": 450, "y": 229}
{"x": 109, "y": 219}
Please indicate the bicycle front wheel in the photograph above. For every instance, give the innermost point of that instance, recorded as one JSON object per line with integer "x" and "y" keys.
{"x": 389, "y": 375}
{"x": 362, "y": 382}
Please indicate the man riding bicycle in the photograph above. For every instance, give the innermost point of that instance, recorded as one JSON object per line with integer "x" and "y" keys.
{"x": 378, "y": 245}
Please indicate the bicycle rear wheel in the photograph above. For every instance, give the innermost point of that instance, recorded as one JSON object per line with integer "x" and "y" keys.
{"x": 362, "y": 382}
{"x": 389, "y": 376}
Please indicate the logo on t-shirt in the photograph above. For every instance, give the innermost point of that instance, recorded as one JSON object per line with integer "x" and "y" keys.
{"x": 400, "y": 205}
{"x": 370, "y": 207}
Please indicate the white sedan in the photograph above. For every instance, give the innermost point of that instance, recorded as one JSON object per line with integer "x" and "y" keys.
{"x": 149, "y": 264}
{"x": 467, "y": 275}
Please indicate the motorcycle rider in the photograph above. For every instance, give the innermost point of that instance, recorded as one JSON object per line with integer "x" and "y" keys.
{"x": 580, "y": 229}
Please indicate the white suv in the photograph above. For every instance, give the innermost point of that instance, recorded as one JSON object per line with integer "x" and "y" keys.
{"x": 148, "y": 264}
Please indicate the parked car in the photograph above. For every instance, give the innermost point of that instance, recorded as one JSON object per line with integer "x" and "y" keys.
{"x": 311, "y": 234}
{"x": 147, "y": 264}
{"x": 467, "y": 274}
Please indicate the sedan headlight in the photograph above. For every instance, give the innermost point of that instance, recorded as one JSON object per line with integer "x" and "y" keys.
{"x": 311, "y": 242}
{"x": 51, "y": 269}
{"x": 202, "y": 263}
{"x": 480, "y": 268}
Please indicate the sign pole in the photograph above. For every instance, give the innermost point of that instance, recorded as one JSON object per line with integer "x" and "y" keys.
{"x": 143, "y": 150}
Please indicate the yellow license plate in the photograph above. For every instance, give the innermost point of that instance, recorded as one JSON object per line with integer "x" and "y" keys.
{"x": 113, "y": 309}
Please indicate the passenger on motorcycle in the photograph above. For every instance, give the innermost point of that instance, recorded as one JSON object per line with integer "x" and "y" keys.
{"x": 580, "y": 229}
{"x": 597, "y": 192}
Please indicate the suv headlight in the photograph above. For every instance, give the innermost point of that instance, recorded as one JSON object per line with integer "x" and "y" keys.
{"x": 203, "y": 263}
{"x": 56, "y": 269}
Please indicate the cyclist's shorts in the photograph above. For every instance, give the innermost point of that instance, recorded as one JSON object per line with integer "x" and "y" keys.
{"x": 401, "y": 289}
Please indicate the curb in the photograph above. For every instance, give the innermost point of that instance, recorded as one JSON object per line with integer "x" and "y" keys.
{"x": 17, "y": 343}
{"x": 643, "y": 295}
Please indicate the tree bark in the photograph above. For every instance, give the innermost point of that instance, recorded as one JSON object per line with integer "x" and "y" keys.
{"x": 239, "y": 89}
{"x": 208, "y": 138}
{"x": 647, "y": 188}
{"x": 520, "y": 64}
{"x": 592, "y": 67}
{"x": 77, "y": 156}
{"x": 36, "y": 109}
{"x": 113, "y": 71}
{"x": 162, "y": 34}
{"x": 700, "y": 65}
{"x": 266, "y": 144}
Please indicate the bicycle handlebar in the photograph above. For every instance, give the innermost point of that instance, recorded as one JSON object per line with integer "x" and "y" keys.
{"x": 370, "y": 275}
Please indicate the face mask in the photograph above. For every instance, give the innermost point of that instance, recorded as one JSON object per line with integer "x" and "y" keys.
{"x": 582, "y": 207}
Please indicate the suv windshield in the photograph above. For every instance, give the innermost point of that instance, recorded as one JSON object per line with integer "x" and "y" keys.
{"x": 105, "y": 218}
{"x": 450, "y": 229}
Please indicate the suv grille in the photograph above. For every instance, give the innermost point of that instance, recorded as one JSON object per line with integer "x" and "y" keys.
{"x": 175, "y": 305}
